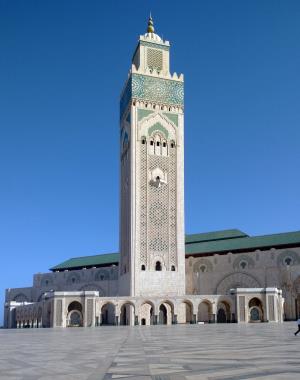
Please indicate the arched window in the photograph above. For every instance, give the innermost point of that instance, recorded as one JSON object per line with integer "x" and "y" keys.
{"x": 172, "y": 144}
{"x": 143, "y": 140}
{"x": 158, "y": 266}
{"x": 288, "y": 261}
{"x": 173, "y": 268}
{"x": 164, "y": 150}
{"x": 143, "y": 267}
{"x": 243, "y": 264}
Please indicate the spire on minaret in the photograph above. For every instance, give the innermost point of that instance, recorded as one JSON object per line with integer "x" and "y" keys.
{"x": 150, "y": 28}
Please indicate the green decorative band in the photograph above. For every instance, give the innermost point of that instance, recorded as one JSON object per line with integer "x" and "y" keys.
{"x": 154, "y": 45}
{"x": 158, "y": 90}
{"x": 126, "y": 97}
{"x": 172, "y": 117}
{"x": 158, "y": 127}
{"x": 143, "y": 113}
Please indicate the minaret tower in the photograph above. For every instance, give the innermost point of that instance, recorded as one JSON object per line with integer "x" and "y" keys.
{"x": 152, "y": 250}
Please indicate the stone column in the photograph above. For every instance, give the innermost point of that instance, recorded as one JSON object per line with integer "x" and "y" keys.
{"x": 117, "y": 319}
{"x": 136, "y": 320}
{"x": 174, "y": 321}
{"x": 155, "y": 320}
{"x": 194, "y": 319}
{"x": 213, "y": 318}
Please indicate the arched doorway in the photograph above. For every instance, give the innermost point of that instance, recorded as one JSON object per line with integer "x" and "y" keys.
{"x": 204, "y": 311}
{"x": 163, "y": 315}
{"x": 108, "y": 314}
{"x": 146, "y": 313}
{"x": 127, "y": 314}
{"x": 187, "y": 310}
{"x": 166, "y": 313}
{"x": 256, "y": 313}
{"x": 223, "y": 314}
{"x": 75, "y": 318}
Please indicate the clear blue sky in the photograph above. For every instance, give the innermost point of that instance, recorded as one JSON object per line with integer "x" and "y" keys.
{"x": 62, "y": 67}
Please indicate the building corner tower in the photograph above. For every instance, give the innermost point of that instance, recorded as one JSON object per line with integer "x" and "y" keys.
{"x": 152, "y": 250}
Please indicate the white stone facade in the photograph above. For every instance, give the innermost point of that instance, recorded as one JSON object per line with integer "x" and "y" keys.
{"x": 152, "y": 177}
{"x": 88, "y": 309}
{"x": 205, "y": 277}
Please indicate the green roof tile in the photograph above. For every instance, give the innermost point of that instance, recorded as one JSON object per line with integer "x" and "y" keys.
{"x": 88, "y": 261}
{"x": 243, "y": 243}
{"x": 216, "y": 235}
{"x": 198, "y": 244}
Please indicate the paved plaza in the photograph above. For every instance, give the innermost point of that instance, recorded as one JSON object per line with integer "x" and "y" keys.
{"x": 193, "y": 352}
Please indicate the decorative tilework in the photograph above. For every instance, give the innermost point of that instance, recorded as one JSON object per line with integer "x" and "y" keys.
{"x": 126, "y": 97}
{"x": 153, "y": 45}
{"x": 143, "y": 113}
{"x": 157, "y": 89}
{"x": 158, "y": 127}
{"x": 172, "y": 117}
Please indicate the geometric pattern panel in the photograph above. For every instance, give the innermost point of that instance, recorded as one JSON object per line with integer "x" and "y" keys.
{"x": 173, "y": 207}
{"x": 158, "y": 127}
{"x": 126, "y": 96}
{"x": 143, "y": 113}
{"x": 157, "y": 89}
{"x": 154, "y": 59}
{"x": 236, "y": 280}
{"x": 143, "y": 204}
{"x": 153, "y": 45}
{"x": 172, "y": 117}
{"x": 158, "y": 215}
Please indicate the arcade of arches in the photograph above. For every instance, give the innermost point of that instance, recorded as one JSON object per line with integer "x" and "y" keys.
{"x": 85, "y": 309}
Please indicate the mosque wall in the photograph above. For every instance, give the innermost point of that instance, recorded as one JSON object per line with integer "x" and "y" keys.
{"x": 210, "y": 275}
{"x": 217, "y": 274}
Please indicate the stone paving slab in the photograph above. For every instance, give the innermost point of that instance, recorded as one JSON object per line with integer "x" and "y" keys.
{"x": 183, "y": 352}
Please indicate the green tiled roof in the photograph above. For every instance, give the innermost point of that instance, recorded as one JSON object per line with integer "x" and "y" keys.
{"x": 243, "y": 243}
{"x": 217, "y": 235}
{"x": 198, "y": 244}
{"x": 88, "y": 261}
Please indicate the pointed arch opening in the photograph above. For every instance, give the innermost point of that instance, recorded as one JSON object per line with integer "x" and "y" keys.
{"x": 205, "y": 311}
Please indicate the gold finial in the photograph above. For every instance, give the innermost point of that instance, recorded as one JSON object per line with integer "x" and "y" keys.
{"x": 150, "y": 28}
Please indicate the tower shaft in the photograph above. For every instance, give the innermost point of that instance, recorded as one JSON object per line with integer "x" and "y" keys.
{"x": 152, "y": 253}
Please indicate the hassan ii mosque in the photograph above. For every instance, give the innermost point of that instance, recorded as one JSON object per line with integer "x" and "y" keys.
{"x": 161, "y": 275}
